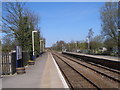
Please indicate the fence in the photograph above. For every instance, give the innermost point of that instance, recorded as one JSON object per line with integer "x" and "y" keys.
{"x": 8, "y": 63}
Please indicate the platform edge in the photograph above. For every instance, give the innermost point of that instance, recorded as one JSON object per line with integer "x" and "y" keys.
{"x": 59, "y": 72}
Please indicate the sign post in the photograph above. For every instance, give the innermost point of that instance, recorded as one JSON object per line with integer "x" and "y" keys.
{"x": 18, "y": 56}
{"x": 119, "y": 29}
{"x": 19, "y": 64}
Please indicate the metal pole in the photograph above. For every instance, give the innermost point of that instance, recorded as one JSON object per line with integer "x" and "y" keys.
{"x": 33, "y": 45}
{"x": 40, "y": 46}
{"x": 43, "y": 46}
{"x": 119, "y": 29}
{"x": 33, "y": 42}
{"x": 69, "y": 47}
{"x": 76, "y": 45}
{"x": 118, "y": 42}
{"x": 88, "y": 45}
{"x": 62, "y": 47}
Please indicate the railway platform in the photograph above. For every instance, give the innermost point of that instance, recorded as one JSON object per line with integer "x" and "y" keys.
{"x": 112, "y": 58}
{"x": 107, "y": 61}
{"x": 44, "y": 74}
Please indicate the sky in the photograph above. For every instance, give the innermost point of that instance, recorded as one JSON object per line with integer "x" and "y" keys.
{"x": 68, "y": 21}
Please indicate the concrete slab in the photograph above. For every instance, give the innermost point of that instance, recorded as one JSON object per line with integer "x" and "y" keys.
{"x": 98, "y": 56}
{"x": 44, "y": 74}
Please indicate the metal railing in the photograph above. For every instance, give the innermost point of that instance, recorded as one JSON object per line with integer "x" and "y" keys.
{"x": 6, "y": 64}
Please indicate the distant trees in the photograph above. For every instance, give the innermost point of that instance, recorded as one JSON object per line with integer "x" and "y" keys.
{"x": 7, "y": 44}
{"x": 83, "y": 45}
{"x": 58, "y": 45}
{"x": 97, "y": 42}
{"x": 71, "y": 46}
{"x": 89, "y": 38}
{"x": 109, "y": 44}
{"x": 90, "y": 34}
{"x": 109, "y": 17}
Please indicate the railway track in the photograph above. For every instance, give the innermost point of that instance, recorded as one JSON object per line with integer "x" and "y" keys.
{"x": 110, "y": 73}
{"x": 81, "y": 74}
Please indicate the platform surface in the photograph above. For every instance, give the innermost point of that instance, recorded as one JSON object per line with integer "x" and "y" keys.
{"x": 98, "y": 56}
{"x": 43, "y": 74}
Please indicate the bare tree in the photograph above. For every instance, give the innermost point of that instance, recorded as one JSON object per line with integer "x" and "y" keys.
{"x": 90, "y": 34}
{"x": 6, "y": 44}
{"x": 109, "y": 18}
{"x": 33, "y": 17}
{"x": 19, "y": 22}
{"x": 89, "y": 37}
{"x": 12, "y": 17}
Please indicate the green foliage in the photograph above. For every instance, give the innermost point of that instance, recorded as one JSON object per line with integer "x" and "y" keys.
{"x": 22, "y": 33}
{"x": 19, "y": 23}
{"x": 58, "y": 45}
{"x": 82, "y": 46}
{"x": 109, "y": 44}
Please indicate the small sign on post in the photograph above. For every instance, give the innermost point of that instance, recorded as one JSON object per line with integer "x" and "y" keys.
{"x": 18, "y": 52}
{"x": 18, "y": 55}
{"x": 20, "y": 69}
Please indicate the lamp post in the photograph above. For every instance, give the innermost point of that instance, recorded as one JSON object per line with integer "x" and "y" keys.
{"x": 69, "y": 47}
{"x": 119, "y": 29}
{"x": 41, "y": 46}
{"x": 88, "y": 41}
{"x": 62, "y": 47}
{"x": 76, "y": 46}
{"x": 33, "y": 57}
{"x": 119, "y": 42}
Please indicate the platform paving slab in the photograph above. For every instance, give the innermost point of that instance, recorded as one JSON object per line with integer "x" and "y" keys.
{"x": 43, "y": 74}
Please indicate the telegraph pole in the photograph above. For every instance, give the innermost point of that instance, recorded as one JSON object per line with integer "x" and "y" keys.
{"x": 119, "y": 29}
{"x": 119, "y": 42}
{"x": 62, "y": 47}
{"x": 88, "y": 41}
{"x": 76, "y": 46}
{"x": 42, "y": 45}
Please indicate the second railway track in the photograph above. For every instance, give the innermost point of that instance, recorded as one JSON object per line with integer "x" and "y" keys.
{"x": 84, "y": 75}
{"x": 110, "y": 73}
